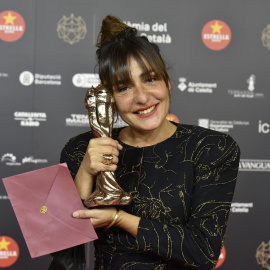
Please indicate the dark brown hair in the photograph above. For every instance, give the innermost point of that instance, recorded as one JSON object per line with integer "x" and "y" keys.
{"x": 117, "y": 43}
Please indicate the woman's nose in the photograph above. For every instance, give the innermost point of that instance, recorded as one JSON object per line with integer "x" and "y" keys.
{"x": 141, "y": 94}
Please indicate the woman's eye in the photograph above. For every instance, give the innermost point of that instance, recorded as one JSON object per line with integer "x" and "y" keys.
{"x": 151, "y": 79}
{"x": 122, "y": 89}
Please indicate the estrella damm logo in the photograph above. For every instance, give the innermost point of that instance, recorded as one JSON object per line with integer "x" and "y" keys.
{"x": 12, "y": 26}
{"x": 216, "y": 35}
{"x": 9, "y": 251}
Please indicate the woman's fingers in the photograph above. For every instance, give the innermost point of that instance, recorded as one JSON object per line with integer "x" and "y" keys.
{"x": 81, "y": 214}
{"x": 99, "y": 217}
{"x": 101, "y": 155}
{"x": 104, "y": 149}
{"x": 105, "y": 141}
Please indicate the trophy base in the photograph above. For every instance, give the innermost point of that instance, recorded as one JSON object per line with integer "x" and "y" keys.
{"x": 101, "y": 199}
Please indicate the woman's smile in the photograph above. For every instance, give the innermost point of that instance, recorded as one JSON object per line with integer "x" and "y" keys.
{"x": 145, "y": 112}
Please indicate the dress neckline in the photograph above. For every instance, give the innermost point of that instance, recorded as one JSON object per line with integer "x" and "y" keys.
{"x": 117, "y": 131}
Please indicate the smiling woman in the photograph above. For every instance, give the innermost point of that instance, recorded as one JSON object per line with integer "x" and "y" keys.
{"x": 181, "y": 177}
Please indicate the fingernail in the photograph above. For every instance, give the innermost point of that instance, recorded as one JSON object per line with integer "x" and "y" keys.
{"x": 75, "y": 214}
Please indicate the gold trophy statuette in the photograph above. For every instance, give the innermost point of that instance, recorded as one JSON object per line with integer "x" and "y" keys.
{"x": 100, "y": 104}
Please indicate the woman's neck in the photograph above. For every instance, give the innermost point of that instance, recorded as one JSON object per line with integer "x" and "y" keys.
{"x": 143, "y": 138}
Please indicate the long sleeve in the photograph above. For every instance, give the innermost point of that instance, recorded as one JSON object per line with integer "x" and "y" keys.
{"x": 197, "y": 241}
{"x": 74, "y": 151}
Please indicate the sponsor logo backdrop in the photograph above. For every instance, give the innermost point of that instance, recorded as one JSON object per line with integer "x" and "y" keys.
{"x": 218, "y": 57}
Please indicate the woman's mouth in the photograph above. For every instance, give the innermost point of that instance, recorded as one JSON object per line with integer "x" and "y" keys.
{"x": 147, "y": 110}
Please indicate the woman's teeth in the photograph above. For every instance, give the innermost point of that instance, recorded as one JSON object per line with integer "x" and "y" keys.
{"x": 147, "y": 111}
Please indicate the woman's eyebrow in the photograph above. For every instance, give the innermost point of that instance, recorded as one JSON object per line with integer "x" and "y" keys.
{"x": 147, "y": 73}
{"x": 122, "y": 82}
{"x": 142, "y": 76}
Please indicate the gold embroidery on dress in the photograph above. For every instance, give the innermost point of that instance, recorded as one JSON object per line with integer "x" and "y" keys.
{"x": 186, "y": 164}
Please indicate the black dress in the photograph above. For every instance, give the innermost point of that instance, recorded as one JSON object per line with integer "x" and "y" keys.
{"x": 182, "y": 190}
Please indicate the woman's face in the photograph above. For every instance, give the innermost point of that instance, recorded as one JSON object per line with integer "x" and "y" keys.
{"x": 143, "y": 103}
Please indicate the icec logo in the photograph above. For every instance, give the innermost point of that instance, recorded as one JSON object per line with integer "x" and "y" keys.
{"x": 264, "y": 127}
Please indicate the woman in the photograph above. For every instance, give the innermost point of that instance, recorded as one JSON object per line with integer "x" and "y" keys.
{"x": 185, "y": 175}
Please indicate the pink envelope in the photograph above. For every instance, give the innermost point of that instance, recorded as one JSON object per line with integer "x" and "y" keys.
{"x": 43, "y": 201}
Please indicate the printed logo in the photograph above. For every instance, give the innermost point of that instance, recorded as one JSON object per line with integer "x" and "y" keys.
{"x": 27, "y": 78}
{"x": 263, "y": 127}
{"x": 196, "y": 87}
{"x": 221, "y": 258}
{"x": 221, "y": 125}
{"x": 238, "y": 207}
{"x": 77, "y": 120}
{"x": 182, "y": 85}
{"x": 249, "y": 92}
{"x": 263, "y": 255}
{"x": 3, "y": 75}
{"x": 31, "y": 159}
{"x": 12, "y": 26}
{"x": 9, "y": 251}
{"x": 251, "y": 82}
{"x": 10, "y": 160}
{"x": 159, "y": 31}
{"x": 172, "y": 117}
{"x": 30, "y": 119}
{"x": 257, "y": 165}
{"x": 216, "y": 35}
{"x": 71, "y": 29}
{"x": 266, "y": 37}
{"x": 86, "y": 80}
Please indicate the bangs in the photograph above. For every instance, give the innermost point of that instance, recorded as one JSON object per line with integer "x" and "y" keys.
{"x": 115, "y": 69}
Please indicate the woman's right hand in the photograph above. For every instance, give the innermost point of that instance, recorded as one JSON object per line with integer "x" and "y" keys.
{"x": 93, "y": 159}
{"x": 92, "y": 163}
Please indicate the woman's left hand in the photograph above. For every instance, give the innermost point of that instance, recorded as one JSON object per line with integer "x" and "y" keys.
{"x": 104, "y": 216}
{"x": 99, "y": 217}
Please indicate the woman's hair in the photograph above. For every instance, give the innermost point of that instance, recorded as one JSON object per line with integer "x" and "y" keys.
{"x": 117, "y": 43}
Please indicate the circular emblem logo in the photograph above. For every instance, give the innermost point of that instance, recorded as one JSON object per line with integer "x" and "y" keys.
{"x": 172, "y": 117}
{"x": 26, "y": 78}
{"x": 221, "y": 258}
{"x": 71, "y": 29}
{"x": 12, "y": 26}
{"x": 216, "y": 35}
{"x": 9, "y": 251}
{"x": 78, "y": 80}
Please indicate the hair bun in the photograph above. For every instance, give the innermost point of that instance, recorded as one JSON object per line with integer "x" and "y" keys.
{"x": 125, "y": 34}
{"x": 113, "y": 28}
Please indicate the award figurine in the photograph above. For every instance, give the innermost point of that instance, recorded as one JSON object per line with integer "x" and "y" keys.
{"x": 100, "y": 104}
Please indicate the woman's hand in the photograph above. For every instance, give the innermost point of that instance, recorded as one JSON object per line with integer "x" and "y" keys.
{"x": 104, "y": 216}
{"x": 93, "y": 159}
{"x": 99, "y": 217}
{"x": 92, "y": 163}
